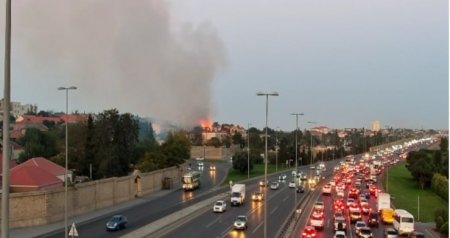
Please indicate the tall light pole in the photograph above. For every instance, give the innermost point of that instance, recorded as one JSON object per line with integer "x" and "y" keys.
{"x": 296, "y": 152}
{"x": 265, "y": 157}
{"x": 67, "y": 157}
{"x": 6, "y": 109}
{"x": 248, "y": 150}
{"x": 276, "y": 149}
{"x": 310, "y": 132}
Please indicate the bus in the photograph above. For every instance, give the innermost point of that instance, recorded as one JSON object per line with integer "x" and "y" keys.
{"x": 191, "y": 180}
{"x": 403, "y": 222}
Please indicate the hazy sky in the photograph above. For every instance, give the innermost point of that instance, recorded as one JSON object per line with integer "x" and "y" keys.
{"x": 342, "y": 63}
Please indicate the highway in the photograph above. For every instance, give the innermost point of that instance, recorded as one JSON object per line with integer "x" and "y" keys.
{"x": 280, "y": 205}
{"x": 155, "y": 208}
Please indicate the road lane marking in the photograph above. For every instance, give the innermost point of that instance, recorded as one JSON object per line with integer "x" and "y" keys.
{"x": 212, "y": 223}
{"x": 286, "y": 198}
{"x": 257, "y": 227}
{"x": 273, "y": 210}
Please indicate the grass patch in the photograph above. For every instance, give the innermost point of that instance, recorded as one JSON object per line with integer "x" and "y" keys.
{"x": 406, "y": 193}
{"x": 258, "y": 170}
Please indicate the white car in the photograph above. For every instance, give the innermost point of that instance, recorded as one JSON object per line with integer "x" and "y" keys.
{"x": 292, "y": 184}
{"x": 340, "y": 234}
{"x": 220, "y": 206}
{"x": 282, "y": 177}
{"x": 257, "y": 196}
{"x": 274, "y": 185}
{"x": 240, "y": 223}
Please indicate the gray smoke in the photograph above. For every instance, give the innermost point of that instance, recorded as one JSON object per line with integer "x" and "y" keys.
{"x": 124, "y": 54}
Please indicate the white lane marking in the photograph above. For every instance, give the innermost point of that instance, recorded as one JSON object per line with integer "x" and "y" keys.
{"x": 286, "y": 198}
{"x": 273, "y": 210}
{"x": 212, "y": 223}
{"x": 257, "y": 227}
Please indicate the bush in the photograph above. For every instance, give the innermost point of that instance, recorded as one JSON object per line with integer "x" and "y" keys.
{"x": 439, "y": 222}
{"x": 444, "y": 228}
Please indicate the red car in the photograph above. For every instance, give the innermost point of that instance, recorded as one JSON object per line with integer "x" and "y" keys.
{"x": 309, "y": 232}
{"x": 338, "y": 205}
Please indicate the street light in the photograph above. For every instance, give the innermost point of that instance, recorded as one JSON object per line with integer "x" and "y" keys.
{"x": 265, "y": 157}
{"x": 296, "y": 152}
{"x": 310, "y": 132}
{"x": 67, "y": 159}
{"x": 276, "y": 149}
{"x": 248, "y": 150}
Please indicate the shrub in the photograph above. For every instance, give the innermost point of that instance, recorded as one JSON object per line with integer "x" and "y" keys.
{"x": 444, "y": 228}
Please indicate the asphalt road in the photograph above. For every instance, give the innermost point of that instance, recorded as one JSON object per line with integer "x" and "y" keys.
{"x": 280, "y": 205}
{"x": 153, "y": 209}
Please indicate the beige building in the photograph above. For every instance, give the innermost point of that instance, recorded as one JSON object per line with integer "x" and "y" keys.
{"x": 376, "y": 126}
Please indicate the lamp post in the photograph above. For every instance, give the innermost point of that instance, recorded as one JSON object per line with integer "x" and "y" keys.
{"x": 67, "y": 151}
{"x": 265, "y": 157}
{"x": 296, "y": 152}
{"x": 276, "y": 149}
{"x": 248, "y": 150}
{"x": 311, "y": 162}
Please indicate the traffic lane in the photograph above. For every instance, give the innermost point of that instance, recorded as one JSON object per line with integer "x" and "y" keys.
{"x": 221, "y": 225}
{"x": 152, "y": 210}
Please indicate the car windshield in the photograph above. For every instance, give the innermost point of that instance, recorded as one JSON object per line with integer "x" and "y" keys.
{"x": 241, "y": 218}
{"x": 391, "y": 232}
{"x": 115, "y": 219}
{"x": 365, "y": 231}
{"x": 219, "y": 203}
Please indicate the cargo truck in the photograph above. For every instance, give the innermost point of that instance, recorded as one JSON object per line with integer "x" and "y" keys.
{"x": 237, "y": 194}
{"x": 383, "y": 201}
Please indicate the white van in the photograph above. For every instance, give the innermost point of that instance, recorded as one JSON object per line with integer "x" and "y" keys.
{"x": 403, "y": 222}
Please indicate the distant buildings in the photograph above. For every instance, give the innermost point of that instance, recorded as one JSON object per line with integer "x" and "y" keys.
{"x": 376, "y": 126}
{"x": 18, "y": 109}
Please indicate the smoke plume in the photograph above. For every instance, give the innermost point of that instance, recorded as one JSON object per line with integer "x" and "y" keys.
{"x": 120, "y": 54}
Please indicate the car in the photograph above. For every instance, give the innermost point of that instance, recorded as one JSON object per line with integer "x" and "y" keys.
{"x": 274, "y": 185}
{"x": 309, "y": 232}
{"x": 319, "y": 205}
{"x": 340, "y": 193}
{"x": 240, "y": 223}
{"x": 300, "y": 189}
{"x": 416, "y": 234}
{"x": 282, "y": 177}
{"x": 262, "y": 183}
{"x": 116, "y": 222}
{"x": 387, "y": 215}
{"x": 355, "y": 216}
{"x": 339, "y": 223}
{"x": 317, "y": 219}
{"x": 338, "y": 205}
{"x": 363, "y": 201}
{"x": 340, "y": 234}
{"x": 350, "y": 201}
{"x": 326, "y": 190}
{"x": 373, "y": 219}
{"x": 354, "y": 208}
{"x": 353, "y": 193}
{"x": 257, "y": 196}
{"x": 292, "y": 184}
{"x": 220, "y": 206}
{"x": 365, "y": 232}
{"x": 390, "y": 233}
{"x": 212, "y": 168}
{"x": 365, "y": 208}
{"x": 358, "y": 226}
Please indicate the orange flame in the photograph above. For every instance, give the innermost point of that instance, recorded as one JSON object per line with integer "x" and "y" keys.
{"x": 206, "y": 123}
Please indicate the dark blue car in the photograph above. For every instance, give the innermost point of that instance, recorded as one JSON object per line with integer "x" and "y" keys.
{"x": 117, "y": 222}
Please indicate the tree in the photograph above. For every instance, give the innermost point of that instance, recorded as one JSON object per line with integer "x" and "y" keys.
{"x": 37, "y": 143}
{"x": 421, "y": 167}
{"x": 177, "y": 148}
{"x": 215, "y": 142}
{"x": 240, "y": 162}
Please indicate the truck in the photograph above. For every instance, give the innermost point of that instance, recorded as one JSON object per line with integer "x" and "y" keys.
{"x": 237, "y": 194}
{"x": 383, "y": 201}
{"x": 191, "y": 180}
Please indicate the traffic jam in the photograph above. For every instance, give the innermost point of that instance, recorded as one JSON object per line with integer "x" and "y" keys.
{"x": 349, "y": 203}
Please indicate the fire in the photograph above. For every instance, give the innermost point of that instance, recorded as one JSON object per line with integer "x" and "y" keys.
{"x": 206, "y": 122}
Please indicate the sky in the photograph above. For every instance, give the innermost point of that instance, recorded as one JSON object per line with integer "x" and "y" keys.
{"x": 342, "y": 63}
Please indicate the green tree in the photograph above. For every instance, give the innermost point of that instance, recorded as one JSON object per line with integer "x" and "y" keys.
{"x": 240, "y": 162}
{"x": 152, "y": 161}
{"x": 177, "y": 148}
{"x": 215, "y": 142}
{"x": 37, "y": 143}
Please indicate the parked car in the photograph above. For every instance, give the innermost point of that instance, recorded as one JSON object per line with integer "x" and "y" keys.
{"x": 116, "y": 222}
{"x": 240, "y": 223}
{"x": 220, "y": 206}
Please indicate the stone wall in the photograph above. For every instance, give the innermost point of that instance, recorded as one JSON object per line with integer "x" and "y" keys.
{"x": 45, "y": 207}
